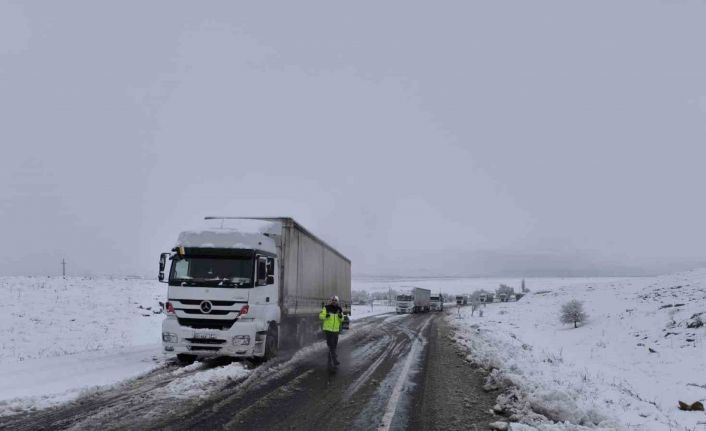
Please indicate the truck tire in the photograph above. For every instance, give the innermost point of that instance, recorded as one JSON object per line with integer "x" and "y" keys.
{"x": 271, "y": 342}
{"x": 185, "y": 359}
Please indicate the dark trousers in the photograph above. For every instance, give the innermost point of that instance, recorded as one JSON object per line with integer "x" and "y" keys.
{"x": 331, "y": 342}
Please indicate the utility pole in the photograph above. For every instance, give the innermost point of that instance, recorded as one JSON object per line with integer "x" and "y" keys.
{"x": 63, "y": 268}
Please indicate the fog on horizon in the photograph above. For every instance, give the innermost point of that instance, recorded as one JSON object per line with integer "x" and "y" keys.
{"x": 464, "y": 138}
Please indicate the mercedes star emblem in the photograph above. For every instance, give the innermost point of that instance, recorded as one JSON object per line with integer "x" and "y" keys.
{"x": 206, "y": 306}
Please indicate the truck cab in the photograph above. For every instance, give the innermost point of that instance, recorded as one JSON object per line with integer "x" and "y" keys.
{"x": 222, "y": 297}
{"x": 246, "y": 286}
{"x": 404, "y": 304}
{"x": 437, "y": 303}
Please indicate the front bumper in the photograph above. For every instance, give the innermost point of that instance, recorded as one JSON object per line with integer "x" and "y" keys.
{"x": 179, "y": 339}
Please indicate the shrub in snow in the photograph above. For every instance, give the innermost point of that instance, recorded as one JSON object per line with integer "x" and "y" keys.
{"x": 695, "y": 321}
{"x": 572, "y": 312}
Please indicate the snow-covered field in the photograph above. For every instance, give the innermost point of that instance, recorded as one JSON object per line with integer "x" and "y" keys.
{"x": 626, "y": 367}
{"x": 61, "y": 337}
{"x": 362, "y": 311}
{"x": 44, "y": 317}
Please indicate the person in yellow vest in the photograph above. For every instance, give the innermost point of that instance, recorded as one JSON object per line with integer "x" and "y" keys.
{"x": 332, "y": 316}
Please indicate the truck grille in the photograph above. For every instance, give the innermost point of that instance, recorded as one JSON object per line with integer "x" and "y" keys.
{"x": 206, "y": 348}
{"x": 218, "y": 303}
{"x": 212, "y": 313}
{"x": 207, "y": 323}
{"x": 205, "y": 340}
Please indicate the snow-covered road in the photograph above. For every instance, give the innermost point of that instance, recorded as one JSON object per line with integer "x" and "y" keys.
{"x": 384, "y": 380}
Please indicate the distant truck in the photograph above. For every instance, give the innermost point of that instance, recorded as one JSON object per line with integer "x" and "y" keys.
{"x": 437, "y": 302}
{"x": 247, "y": 287}
{"x": 461, "y": 300}
{"x": 417, "y": 300}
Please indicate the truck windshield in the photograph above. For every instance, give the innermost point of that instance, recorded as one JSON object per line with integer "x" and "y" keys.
{"x": 434, "y": 298}
{"x": 212, "y": 272}
{"x": 405, "y": 298}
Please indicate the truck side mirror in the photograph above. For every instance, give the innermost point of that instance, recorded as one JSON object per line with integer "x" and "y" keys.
{"x": 162, "y": 265}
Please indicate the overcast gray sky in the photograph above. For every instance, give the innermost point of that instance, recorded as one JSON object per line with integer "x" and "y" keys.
{"x": 513, "y": 137}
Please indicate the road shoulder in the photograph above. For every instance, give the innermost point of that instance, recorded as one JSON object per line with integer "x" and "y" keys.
{"x": 451, "y": 395}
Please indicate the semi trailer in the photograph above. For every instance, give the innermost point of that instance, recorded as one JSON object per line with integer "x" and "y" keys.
{"x": 417, "y": 300}
{"x": 245, "y": 287}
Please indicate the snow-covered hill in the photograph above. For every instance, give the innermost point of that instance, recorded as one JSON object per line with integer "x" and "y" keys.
{"x": 638, "y": 354}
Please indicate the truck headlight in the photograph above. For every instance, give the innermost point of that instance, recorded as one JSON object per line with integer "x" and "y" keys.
{"x": 241, "y": 340}
{"x": 168, "y": 337}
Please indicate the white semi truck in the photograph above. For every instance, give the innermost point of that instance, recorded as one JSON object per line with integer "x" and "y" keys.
{"x": 417, "y": 300}
{"x": 437, "y": 302}
{"x": 248, "y": 286}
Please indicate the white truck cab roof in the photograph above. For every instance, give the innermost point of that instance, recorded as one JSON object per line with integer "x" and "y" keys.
{"x": 226, "y": 238}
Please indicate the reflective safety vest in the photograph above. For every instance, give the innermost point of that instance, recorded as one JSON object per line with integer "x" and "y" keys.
{"x": 332, "y": 323}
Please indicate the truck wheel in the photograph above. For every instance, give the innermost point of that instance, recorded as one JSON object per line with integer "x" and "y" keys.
{"x": 184, "y": 359}
{"x": 271, "y": 342}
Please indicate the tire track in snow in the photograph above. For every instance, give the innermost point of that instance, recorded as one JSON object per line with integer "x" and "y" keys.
{"x": 367, "y": 373}
{"x": 414, "y": 352}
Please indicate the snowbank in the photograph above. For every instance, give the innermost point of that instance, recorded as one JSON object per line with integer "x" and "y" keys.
{"x": 202, "y": 384}
{"x": 626, "y": 367}
{"x": 39, "y": 383}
